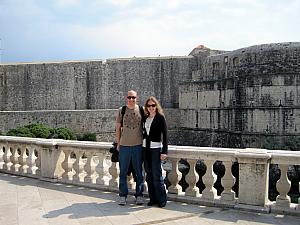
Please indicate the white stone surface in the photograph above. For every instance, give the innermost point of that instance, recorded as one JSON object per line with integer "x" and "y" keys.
{"x": 27, "y": 201}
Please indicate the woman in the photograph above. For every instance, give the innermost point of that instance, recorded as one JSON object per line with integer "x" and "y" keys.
{"x": 156, "y": 148}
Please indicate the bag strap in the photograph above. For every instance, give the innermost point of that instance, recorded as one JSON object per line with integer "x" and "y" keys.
{"x": 143, "y": 117}
{"x": 123, "y": 113}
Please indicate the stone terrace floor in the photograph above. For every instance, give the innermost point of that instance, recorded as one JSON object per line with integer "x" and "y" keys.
{"x": 34, "y": 202}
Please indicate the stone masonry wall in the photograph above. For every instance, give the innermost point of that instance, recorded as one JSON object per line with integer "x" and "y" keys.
{"x": 244, "y": 98}
{"x": 91, "y": 85}
{"x": 250, "y": 91}
{"x": 101, "y": 122}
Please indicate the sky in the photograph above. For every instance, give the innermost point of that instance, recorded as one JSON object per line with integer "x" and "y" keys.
{"x": 60, "y": 30}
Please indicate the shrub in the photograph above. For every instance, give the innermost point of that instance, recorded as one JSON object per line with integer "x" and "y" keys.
{"x": 39, "y": 130}
{"x": 63, "y": 133}
{"x": 42, "y": 131}
{"x": 292, "y": 143}
{"x": 87, "y": 137}
{"x": 20, "y": 132}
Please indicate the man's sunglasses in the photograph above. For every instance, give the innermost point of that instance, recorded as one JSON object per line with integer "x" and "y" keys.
{"x": 131, "y": 97}
{"x": 153, "y": 105}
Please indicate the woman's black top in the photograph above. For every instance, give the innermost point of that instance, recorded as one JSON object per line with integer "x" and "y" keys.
{"x": 158, "y": 132}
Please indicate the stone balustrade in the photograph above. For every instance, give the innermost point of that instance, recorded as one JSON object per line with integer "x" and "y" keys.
{"x": 88, "y": 164}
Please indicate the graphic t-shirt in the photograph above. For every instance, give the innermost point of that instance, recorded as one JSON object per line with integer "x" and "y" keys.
{"x": 131, "y": 133}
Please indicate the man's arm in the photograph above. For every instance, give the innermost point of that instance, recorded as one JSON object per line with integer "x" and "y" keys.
{"x": 118, "y": 134}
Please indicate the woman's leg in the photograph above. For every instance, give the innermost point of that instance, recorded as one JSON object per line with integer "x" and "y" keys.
{"x": 149, "y": 176}
{"x": 158, "y": 181}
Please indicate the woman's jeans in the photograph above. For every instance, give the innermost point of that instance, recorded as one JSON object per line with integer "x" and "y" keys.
{"x": 134, "y": 154}
{"x": 155, "y": 181}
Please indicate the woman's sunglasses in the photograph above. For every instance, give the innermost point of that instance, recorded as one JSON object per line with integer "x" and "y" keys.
{"x": 131, "y": 97}
{"x": 153, "y": 105}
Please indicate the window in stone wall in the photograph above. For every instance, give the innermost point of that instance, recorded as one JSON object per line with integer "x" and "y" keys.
{"x": 221, "y": 85}
{"x": 250, "y": 81}
{"x": 298, "y": 80}
{"x": 216, "y": 70}
{"x": 226, "y": 59}
{"x": 289, "y": 80}
{"x": 215, "y": 66}
{"x": 230, "y": 84}
{"x": 210, "y": 85}
{"x": 236, "y": 61}
{"x": 266, "y": 81}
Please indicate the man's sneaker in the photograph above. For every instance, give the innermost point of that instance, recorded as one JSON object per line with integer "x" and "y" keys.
{"x": 122, "y": 200}
{"x": 139, "y": 200}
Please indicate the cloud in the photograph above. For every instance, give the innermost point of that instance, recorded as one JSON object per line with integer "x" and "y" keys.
{"x": 66, "y": 3}
{"x": 113, "y": 28}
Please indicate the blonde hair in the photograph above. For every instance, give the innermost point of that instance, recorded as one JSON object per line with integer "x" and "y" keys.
{"x": 159, "y": 109}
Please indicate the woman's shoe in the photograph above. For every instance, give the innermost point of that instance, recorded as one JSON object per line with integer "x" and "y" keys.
{"x": 151, "y": 203}
{"x": 161, "y": 205}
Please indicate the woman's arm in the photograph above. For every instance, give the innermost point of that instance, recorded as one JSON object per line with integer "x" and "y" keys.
{"x": 165, "y": 136}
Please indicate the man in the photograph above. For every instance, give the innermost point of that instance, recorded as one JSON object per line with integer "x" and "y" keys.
{"x": 129, "y": 138}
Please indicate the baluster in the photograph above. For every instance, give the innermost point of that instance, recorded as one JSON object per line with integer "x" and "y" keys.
{"x": 130, "y": 182}
{"x": 2, "y": 152}
{"x": 174, "y": 178}
{"x": 78, "y": 167}
{"x": 114, "y": 172}
{"x": 192, "y": 178}
{"x": 164, "y": 175}
{"x": 15, "y": 159}
{"x": 67, "y": 165}
{"x": 299, "y": 199}
{"x": 100, "y": 169}
{"x": 144, "y": 181}
{"x": 228, "y": 181}
{"x": 106, "y": 165}
{"x": 7, "y": 159}
{"x": 37, "y": 154}
{"x": 90, "y": 168}
{"x": 23, "y": 160}
{"x": 283, "y": 186}
{"x": 209, "y": 179}
{"x": 32, "y": 161}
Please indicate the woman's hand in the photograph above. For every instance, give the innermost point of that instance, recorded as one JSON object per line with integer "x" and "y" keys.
{"x": 163, "y": 156}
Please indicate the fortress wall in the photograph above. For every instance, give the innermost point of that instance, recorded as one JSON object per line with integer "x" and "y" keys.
{"x": 255, "y": 90}
{"x": 101, "y": 122}
{"x": 229, "y": 99}
{"x": 268, "y": 59}
{"x": 45, "y": 86}
{"x": 208, "y": 95}
{"x": 149, "y": 76}
{"x": 98, "y": 121}
{"x": 91, "y": 85}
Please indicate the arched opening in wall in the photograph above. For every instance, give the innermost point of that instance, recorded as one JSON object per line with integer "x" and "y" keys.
{"x": 236, "y": 61}
{"x": 216, "y": 68}
{"x": 226, "y": 60}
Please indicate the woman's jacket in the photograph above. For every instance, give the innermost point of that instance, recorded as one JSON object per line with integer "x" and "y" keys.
{"x": 158, "y": 132}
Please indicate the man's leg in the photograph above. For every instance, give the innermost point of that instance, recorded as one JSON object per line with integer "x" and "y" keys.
{"x": 124, "y": 159}
{"x": 137, "y": 163}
